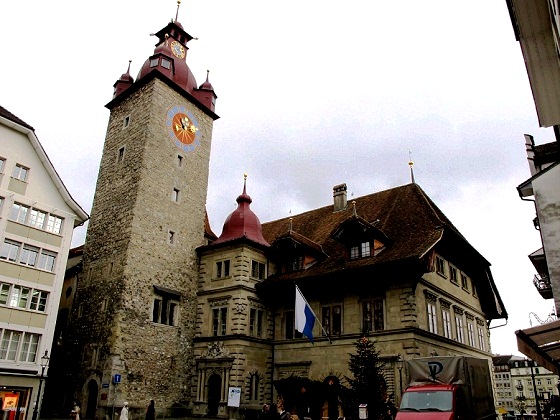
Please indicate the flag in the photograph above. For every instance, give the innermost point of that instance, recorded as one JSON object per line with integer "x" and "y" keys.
{"x": 305, "y": 318}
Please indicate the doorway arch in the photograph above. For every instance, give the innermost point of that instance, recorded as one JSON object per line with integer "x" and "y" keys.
{"x": 214, "y": 393}
{"x": 92, "y": 392}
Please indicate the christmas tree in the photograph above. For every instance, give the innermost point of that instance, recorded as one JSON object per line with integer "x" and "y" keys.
{"x": 368, "y": 384}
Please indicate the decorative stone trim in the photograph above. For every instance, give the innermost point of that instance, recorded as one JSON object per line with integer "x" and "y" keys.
{"x": 480, "y": 322}
{"x": 457, "y": 310}
{"x": 220, "y": 302}
{"x": 445, "y": 304}
{"x": 469, "y": 316}
{"x": 430, "y": 296}
{"x": 216, "y": 349}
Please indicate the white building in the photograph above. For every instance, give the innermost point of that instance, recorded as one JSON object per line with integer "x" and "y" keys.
{"x": 37, "y": 219}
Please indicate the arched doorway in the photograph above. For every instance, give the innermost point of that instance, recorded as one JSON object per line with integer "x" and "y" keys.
{"x": 91, "y": 408}
{"x": 214, "y": 393}
{"x": 332, "y": 391}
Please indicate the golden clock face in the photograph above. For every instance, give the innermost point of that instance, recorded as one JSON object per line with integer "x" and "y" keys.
{"x": 183, "y": 128}
{"x": 177, "y": 49}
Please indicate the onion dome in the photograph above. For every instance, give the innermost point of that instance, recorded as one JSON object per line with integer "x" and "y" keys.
{"x": 242, "y": 222}
{"x": 207, "y": 85}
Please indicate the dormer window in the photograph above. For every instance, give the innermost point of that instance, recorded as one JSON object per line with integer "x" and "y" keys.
{"x": 166, "y": 64}
{"x": 296, "y": 263}
{"x": 154, "y": 62}
{"x": 362, "y": 250}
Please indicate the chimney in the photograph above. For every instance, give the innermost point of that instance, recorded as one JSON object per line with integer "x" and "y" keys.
{"x": 339, "y": 197}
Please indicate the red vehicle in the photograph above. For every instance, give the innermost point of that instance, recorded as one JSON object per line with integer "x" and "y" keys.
{"x": 448, "y": 388}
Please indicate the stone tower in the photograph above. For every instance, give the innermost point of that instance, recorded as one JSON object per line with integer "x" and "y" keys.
{"x": 134, "y": 320}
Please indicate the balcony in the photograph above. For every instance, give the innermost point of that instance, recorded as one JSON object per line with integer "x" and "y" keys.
{"x": 543, "y": 286}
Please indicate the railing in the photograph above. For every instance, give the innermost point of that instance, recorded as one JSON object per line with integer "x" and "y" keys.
{"x": 543, "y": 286}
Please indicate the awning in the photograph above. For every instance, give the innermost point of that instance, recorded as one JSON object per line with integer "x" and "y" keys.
{"x": 541, "y": 344}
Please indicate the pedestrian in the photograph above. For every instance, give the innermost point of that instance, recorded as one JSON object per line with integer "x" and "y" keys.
{"x": 265, "y": 412}
{"x": 274, "y": 414}
{"x": 124, "y": 412}
{"x": 151, "y": 411}
{"x": 75, "y": 413}
{"x": 391, "y": 409}
{"x": 284, "y": 415}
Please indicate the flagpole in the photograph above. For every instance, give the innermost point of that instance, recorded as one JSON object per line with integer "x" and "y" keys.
{"x": 311, "y": 309}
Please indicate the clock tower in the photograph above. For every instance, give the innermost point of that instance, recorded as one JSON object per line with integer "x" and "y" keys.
{"x": 135, "y": 312}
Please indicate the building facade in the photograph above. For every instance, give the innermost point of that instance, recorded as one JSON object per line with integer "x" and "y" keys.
{"x": 37, "y": 219}
{"x": 536, "y": 27}
{"x": 166, "y": 309}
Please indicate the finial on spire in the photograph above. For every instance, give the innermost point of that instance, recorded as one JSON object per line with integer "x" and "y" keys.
{"x": 291, "y": 220}
{"x": 354, "y": 208}
{"x": 177, "y": 14}
{"x": 245, "y": 183}
{"x": 411, "y": 164}
{"x": 129, "y": 61}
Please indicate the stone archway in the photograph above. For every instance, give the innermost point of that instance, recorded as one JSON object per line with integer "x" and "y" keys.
{"x": 214, "y": 394}
{"x": 92, "y": 395}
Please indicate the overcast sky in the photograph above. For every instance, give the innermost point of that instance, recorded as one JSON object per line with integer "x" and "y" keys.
{"x": 311, "y": 94}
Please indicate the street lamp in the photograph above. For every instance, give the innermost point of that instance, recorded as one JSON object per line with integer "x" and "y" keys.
{"x": 44, "y": 363}
{"x": 400, "y": 365}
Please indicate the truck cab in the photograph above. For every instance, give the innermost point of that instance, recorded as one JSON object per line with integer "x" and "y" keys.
{"x": 437, "y": 402}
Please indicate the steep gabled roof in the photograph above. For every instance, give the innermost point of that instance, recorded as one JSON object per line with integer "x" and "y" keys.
{"x": 403, "y": 214}
{"x": 413, "y": 225}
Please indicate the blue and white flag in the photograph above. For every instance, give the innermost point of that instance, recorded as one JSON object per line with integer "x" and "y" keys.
{"x": 305, "y": 318}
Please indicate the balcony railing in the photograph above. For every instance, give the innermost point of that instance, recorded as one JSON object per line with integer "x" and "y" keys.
{"x": 543, "y": 286}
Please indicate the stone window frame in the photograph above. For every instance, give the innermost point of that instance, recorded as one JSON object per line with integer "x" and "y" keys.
{"x": 439, "y": 266}
{"x": 219, "y": 315}
{"x": 222, "y": 268}
{"x": 256, "y": 322}
{"x": 459, "y": 324}
{"x": 126, "y": 121}
{"x": 258, "y": 269}
{"x": 446, "y": 320}
{"x": 371, "y": 316}
{"x": 431, "y": 310}
{"x": 465, "y": 282}
{"x": 176, "y": 195}
{"x": 2, "y": 164}
{"x": 330, "y": 320}
{"x": 121, "y": 153}
{"x": 165, "y": 306}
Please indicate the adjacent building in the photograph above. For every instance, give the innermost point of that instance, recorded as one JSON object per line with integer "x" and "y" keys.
{"x": 37, "y": 218}
{"x": 536, "y": 25}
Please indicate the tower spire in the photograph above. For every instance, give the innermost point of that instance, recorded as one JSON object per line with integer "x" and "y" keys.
{"x": 411, "y": 164}
{"x": 177, "y": 13}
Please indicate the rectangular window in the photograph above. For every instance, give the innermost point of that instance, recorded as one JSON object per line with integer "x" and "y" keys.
{"x": 126, "y": 121}
{"x": 257, "y": 270}
{"x": 2, "y": 164}
{"x": 372, "y": 315}
{"x": 289, "y": 326}
{"x": 296, "y": 264}
{"x": 219, "y": 321}
{"x": 473, "y": 288}
{"x": 38, "y": 300}
{"x": 453, "y": 274}
{"x": 481, "y": 342}
{"x": 18, "y": 213}
{"x": 28, "y": 255}
{"x": 171, "y": 237}
{"x": 222, "y": 269}
{"x": 464, "y": 281}
{"x": 19, "y": 297}
{"x": 47, "y": 260}
{"x": 54, "y": 224}
{"x": 332, "y": 319}
{"x": 4, "y": 293}
{"x": 446, "y": 316}
{"x": 255, "y": 322}
{"x": 9, "y": 345}
{"x": 10, "y": 250}
{"x": 20, "y": 172}
{"x": 120, "y": 155}
{"x": 440, "y": 265}
{"x": 164, "y": 310}
{"x": 28, "y": 351}
{"x": 360, "y": 251}
{"x": 175, "y": 195}
{"x": 470, "y": 330}
{"x": 153, "y": 62}
{"x": 166, "y": 64}
{"x": 432, "y": 317}
{"x": 37, "y": 218}
{"x": 459, "y": 326}
{"x": 179, "y": 161}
